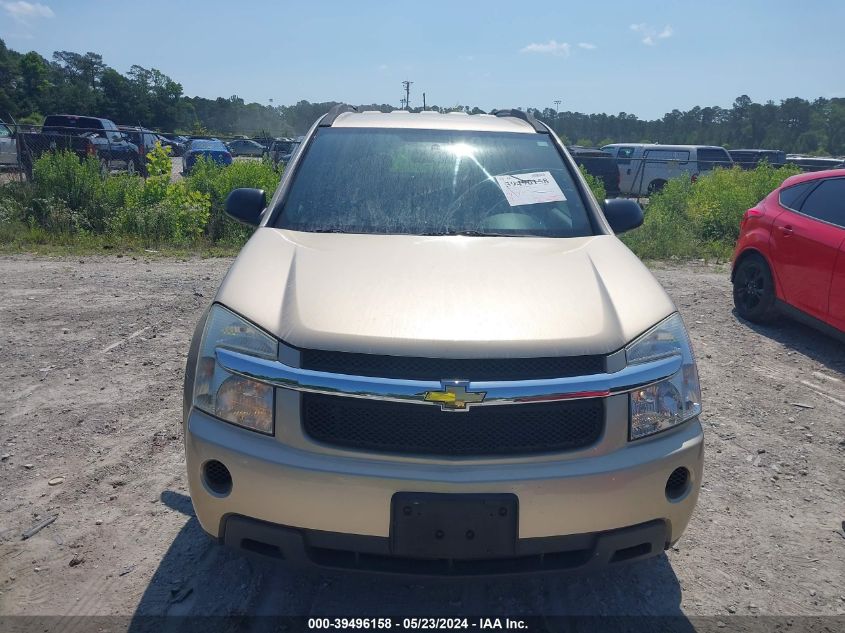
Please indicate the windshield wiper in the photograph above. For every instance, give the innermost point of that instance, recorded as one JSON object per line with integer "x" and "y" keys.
{"x": 470, "y": 233}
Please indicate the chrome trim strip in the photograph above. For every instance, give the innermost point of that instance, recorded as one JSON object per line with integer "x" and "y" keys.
{"x": 500, "y": 392}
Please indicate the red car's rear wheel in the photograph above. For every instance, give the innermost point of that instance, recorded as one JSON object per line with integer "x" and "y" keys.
{"x": 754, "y": 289}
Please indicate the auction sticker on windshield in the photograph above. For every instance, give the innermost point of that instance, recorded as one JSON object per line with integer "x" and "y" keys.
{"x": 533, "y": 188}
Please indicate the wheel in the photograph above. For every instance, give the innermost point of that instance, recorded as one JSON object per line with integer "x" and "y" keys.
{"x": 754, "y": 290}
{"x": 655, "y": 186}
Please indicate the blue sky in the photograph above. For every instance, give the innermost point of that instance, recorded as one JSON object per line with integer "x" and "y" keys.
{"x": 641, "y": 57}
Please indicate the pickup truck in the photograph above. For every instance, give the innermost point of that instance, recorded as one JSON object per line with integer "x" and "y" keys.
{"x": 84, "y": 136}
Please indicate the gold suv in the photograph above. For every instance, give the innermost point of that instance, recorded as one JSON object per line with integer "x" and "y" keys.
{"x": 434, "y": 356}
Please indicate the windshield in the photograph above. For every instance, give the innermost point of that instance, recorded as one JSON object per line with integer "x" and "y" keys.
{"x": 434, "y": 182}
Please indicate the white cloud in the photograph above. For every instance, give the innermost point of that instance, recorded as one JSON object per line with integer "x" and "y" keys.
{"x": 23, "y": 11}
{"x": 651, "y": 34}
{"x": 587, "y": 46}
{"x": 549, "y": 48}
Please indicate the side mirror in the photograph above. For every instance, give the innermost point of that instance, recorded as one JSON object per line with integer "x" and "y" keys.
{"x": 622, "y": 214}
{"x": 246, "y": 205}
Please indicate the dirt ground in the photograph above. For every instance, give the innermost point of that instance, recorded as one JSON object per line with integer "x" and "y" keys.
{"x": 92, "y": 352}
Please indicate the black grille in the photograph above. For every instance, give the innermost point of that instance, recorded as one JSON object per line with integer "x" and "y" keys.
{"x": 420, "y": 368}
{"x": 422, "y": 429}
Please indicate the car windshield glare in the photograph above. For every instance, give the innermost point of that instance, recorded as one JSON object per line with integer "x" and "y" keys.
{"x": 434, "y": 182}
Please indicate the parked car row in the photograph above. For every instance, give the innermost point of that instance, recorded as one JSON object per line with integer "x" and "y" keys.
{"x": 643, "y": 169}
{"x": 85, "y": 136}
{"x": 117, "y": 147}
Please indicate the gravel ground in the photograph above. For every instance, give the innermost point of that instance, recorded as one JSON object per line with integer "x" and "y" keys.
{"x": 92, "y": 356}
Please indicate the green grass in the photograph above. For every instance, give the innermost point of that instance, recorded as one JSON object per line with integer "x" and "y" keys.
{"x": 22, "y": 239}
{"x": 69, "y": 205}
{"x": 700, "y": 220}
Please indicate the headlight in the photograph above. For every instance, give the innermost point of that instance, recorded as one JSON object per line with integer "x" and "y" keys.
{"x": 242, "y": 401}
{"x": 671, "y": 401}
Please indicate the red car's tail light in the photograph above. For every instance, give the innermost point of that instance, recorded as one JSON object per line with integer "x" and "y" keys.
{"x": 754, "y": 212}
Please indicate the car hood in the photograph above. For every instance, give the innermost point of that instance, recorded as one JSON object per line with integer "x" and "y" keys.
{"x": 447, "y": 297}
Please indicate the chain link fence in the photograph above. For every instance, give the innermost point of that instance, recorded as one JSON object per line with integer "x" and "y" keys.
{"x": 123, "y": 148}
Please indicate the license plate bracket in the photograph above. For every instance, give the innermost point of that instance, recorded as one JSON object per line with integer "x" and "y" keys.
{"x": 453, "y": 526}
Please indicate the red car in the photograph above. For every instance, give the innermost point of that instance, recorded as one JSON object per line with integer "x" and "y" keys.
{"x": 790, "y": 256}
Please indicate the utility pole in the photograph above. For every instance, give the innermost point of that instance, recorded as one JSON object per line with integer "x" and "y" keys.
{"x": 423, "y": 102}
{"x": 557, "y": 113}
{"x": 402, "y": 103}
{"x": 407, "y": 85}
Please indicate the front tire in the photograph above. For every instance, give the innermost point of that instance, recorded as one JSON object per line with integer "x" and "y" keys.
{"x": 754, "y": 290}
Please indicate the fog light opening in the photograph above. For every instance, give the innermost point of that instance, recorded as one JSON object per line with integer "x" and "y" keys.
{"x": 677, "y": 484}
{"x": 217, "y": 477}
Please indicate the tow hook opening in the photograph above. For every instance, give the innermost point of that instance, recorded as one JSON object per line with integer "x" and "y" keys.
{"x": 217, "y": 477}
{"x": 678, "y": 484}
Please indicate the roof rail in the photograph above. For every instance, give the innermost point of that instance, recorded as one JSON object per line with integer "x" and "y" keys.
{"x": 519, "y": 114}
{"x": 329, "y": 119}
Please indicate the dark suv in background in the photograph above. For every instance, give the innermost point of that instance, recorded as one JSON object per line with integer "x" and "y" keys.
{"x": 600, "y": 164}
{"x": 145, "y": 141}
{"x": 282, "y": 149}
{"x": 750, "y": 158}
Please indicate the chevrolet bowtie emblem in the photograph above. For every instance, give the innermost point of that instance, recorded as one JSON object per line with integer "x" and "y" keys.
{"x": 455, "y": 397}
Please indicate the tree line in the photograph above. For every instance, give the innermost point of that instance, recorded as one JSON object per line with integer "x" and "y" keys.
{"x": 32, "y": 86}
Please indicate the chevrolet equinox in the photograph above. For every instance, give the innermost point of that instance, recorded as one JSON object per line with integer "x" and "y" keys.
{"x": 434, "y": 356}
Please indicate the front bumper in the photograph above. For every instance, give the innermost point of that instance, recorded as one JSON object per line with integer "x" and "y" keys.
{"x": 373, "y": 554}
{"x": 351, "y": 495}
